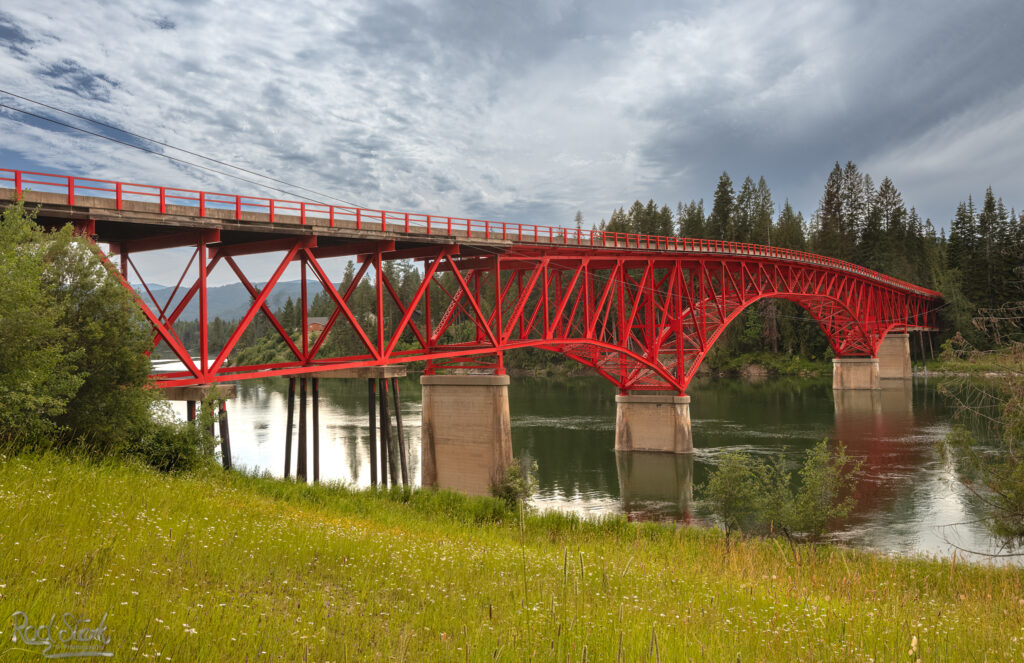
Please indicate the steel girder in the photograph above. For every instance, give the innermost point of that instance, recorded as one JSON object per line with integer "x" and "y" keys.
{"x": 643, "y": 320}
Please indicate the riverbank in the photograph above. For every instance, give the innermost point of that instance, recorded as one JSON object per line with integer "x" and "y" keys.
{"x": 221, "y": 566}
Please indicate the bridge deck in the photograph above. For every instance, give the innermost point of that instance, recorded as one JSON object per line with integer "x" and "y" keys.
{"x": 124, "y": 212}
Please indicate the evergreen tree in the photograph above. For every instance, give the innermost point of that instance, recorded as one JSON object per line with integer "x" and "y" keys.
{"x": 789, "y": 231}
{"x": 636, "y": 218}
{"x": 744, "y": 212}
{"x": 961, "y": 237}
{"x": 720, "y": 222}
{"x": 618, "y": 222}
{"x": 855, "y": 207}
{"x": 578, "y": 220}
{"x": 764, "y": 211}
{"x": 871, "y": 250}
{"x": 828, "y": 238}
{"x": 691, "y": 219}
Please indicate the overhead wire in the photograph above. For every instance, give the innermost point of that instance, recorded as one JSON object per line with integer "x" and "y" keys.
{"x": 167, "y": 145}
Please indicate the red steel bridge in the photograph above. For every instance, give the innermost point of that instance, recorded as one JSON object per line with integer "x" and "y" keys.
{"x": 643, "y": 311}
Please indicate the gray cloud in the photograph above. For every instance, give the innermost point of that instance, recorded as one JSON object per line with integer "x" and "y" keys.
{"x": 12, "y": 36}
{"x": 530, "y": 111}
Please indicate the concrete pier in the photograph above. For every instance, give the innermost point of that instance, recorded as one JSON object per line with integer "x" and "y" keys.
{"x": 855, "y": 373}
{"x": 653, "y": 422}
{"x": 894, "y": 357}
{"x": 467, "y": 432}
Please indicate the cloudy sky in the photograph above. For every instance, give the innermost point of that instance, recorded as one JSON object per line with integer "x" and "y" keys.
{"x": 527, "y": 111}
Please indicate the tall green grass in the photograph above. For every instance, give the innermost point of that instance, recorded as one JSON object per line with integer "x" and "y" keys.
{"x": 225, "y": 567}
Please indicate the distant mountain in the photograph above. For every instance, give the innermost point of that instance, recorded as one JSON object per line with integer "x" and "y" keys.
{"x": 228, "y": 302}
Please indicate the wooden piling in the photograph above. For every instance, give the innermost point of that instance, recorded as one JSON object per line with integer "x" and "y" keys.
{"x": 373, "y": 432}
{"x": 316, "y": 430}
{"x": 225, "y": 437}
{"x": 401, "y": 437}
{"x": 389, "y": 440}
{"x": 300, "y": 463}
{"x": 288, "y": 429}
{"x": 385, "y": 433}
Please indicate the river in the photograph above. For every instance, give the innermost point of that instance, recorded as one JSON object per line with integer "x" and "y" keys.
{"x": 909, "y": 500}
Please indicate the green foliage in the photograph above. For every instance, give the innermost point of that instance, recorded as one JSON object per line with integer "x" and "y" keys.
{"x": 517, "y": 483}
{"x": 754, "y": 496}
{"x": 39, "y": 373}
{"x": 993, "y": 463}
{"x": 824, "y": 496}
{"x": 732, "y": 492}
{"x": 173, "y": 446}
{"x": 113, "y": 402}
{"x": 73, "y": 365}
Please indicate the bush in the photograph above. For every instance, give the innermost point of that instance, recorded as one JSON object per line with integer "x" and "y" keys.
{"x": 173, "y": 446}
{"x": 732, "y": 492}
{"x": 517, "y": 483}
{"x": 38, "y": 365}
{"x": 756, "y": 496}
{"x": 73, "y": 369}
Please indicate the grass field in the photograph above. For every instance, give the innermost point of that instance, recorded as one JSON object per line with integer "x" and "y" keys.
{"x": 224, "y": 567}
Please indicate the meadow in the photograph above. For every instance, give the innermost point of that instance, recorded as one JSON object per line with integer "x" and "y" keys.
{"x": 216, "y": 566}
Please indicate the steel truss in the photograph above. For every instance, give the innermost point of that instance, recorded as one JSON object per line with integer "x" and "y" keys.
{"x": 642, "y": 319}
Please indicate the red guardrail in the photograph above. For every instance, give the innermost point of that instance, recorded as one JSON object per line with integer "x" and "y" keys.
{"x": 372, "y": 219}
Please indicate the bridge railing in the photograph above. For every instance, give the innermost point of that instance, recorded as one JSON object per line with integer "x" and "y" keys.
{"x": 239, "y": 207}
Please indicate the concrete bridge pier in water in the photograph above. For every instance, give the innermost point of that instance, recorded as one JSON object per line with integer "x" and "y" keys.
{"x": 466, "y": 433}
{"x": 892, "y": 363}
{"x": 653, "y": 422}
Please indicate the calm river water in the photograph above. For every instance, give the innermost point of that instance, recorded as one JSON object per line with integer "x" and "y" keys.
{"x": 909, "y": 499}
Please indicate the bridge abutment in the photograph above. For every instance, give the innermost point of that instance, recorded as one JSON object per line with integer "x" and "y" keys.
{"x": 894, "y": 357}
{"x": 650, "y": 422}
{"x": 855, "y": 373}
{"x": 467, "y": 432}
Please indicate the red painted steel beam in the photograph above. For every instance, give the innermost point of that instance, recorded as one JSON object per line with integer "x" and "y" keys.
{"x": 264, "y": 246}
{"x": 167, "y": 241}
{"x": 354, "y": 248}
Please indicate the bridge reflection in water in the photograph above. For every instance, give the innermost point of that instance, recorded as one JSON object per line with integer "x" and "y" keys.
{"x": 647, "y": 478}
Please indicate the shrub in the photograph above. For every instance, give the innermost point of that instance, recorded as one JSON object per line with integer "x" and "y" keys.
{"x": 517, "y": 483}
{"x": 731, "y": 492}
{"x": 173, "y": 446}
{"x": 756, "y": 496}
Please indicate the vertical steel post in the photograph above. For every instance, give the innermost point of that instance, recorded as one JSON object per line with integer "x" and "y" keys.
{"x": 204, "y": 351}
{"x": 305, "y": 310}
{"x": 377, "y": 264}
{"x": 300, "y": 464}
{"x": 225, "y": 437}
{"x": 288, "y": 429}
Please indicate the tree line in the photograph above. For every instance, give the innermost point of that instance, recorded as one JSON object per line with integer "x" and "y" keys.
{"x": 973, "y": 267}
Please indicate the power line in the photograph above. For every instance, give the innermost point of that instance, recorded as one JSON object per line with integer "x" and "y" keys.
{"x": 168, "y": 145}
